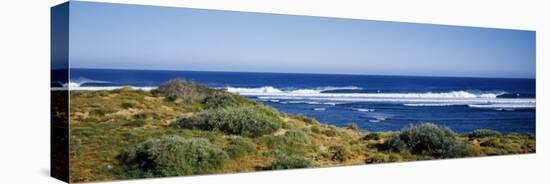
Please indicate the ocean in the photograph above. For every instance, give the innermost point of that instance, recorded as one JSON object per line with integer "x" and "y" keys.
{"x": 373, "y": 102}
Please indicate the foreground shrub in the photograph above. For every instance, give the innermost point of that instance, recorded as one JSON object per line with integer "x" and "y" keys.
{"x": 428, "y": 139}
{"x": 377, "y": 158}
{"x": 372, "y": 136}
{"x": 481, "y": 133}
{"x": 297, "y": 136}
{"x": 238, "y": 147}
{"x": 315, "y": 129}
{"x": 172, "y": 156}
{"x": 251, "y": 121}
{"x": 293, "y": 142}
{"x": 184, "y": 89}
{"x": 340, "y": 153}
{"x": 220, "y": 99}
{"x": 283, "y": 161}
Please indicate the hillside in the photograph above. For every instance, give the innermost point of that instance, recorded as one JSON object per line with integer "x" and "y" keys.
{"x": 185, "y": 128}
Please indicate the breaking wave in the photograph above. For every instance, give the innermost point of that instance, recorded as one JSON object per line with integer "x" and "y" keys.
{"x": 318, "y": 92}
{"x": 427, "y": 99}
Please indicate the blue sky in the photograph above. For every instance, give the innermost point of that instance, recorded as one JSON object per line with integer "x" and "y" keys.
{"x": 147, "y": 37}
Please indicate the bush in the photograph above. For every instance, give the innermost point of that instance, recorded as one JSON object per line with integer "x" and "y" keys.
{"x": 371, "y": 136}
{"x": 292, "y": 142}
{"x": 492, "y": 142}
{"x": 251, "y": 121}
{"x": 172, "y": 156}
{"x": 481, "y": 133}
{"x": 315, "y": 129}
{"x": 297, "y": 136}
{"x": 340, "y": 153}
{"x": 127, "y": 105}
{"x": 171, "y": 98}
{"x": 221, "y": 99}
{"x": 428, "y": 139}
{"x": 283, "y": 161}
{"x": 184, "y": 89}
{"x": 239, "y": 147}
{"x": 377, "y": 158}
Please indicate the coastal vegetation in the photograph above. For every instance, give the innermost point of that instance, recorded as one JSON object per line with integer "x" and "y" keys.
{"x": 185, "y": 128}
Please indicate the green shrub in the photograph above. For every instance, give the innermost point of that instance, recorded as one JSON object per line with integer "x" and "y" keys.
{"x": 238, "y": 147}
{"x": 172, "y": 156}
{"x": 492, "y": 142}
{"x": 292, "y": 142}
{"x": 184, "y": 89}
{"x": 395, "y": 144}
{"x": 283, "y": 161}
{"x": 315, "y": 129}
{"x": 251, "y": 121}
{"x": 371, "y": 136}
{"x": 377, "y": 158}
{"x": 171, "y": 98}
{"x": 340, "y": 153}
{"x": 428, "y": 139}
{"x": 481, "y": 133}
{"x": 297, "y": 136}
{"x": 221, "y": 99}
{"x": 127, "y": 105}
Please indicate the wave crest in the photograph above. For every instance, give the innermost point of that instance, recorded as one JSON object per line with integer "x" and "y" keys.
{"x": 317, "y": 92}
{"x": 266, "y": 90}
{"x": 81, "y": 81}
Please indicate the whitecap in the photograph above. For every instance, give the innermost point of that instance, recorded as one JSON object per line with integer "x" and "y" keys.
{"x": 363, "y": 110}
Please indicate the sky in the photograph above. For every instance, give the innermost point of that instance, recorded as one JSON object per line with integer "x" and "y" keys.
{"x": 147, "y": 37}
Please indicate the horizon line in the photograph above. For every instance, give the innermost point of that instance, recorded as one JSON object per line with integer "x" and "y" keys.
{"x": 315, "y": 73}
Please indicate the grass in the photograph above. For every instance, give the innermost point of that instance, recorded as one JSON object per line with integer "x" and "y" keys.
{"x": 171, "y": 156}
{"x": 107, "y": 126}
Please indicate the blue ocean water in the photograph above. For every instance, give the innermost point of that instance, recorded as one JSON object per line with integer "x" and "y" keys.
{"x": 374, "y": 103}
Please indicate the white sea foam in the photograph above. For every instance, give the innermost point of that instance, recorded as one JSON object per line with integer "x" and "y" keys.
{"x": 363, "y": 110}
{"x": 309, "y": 96}
{"x": 431, "y": 104}
{"x": 89, "y": 88}
{"x": 266, "y": 90}
{"x": 377, "y": 119}
{"x": 332, "y": 103}
{"x": 503, "y": 106}
{"x": 271, "y": 91}
{"x": 304, "y": 102}
{"x": 320, "y": 109}
{"x": 82, "y": 80}
{"x": 454, "y": 101}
